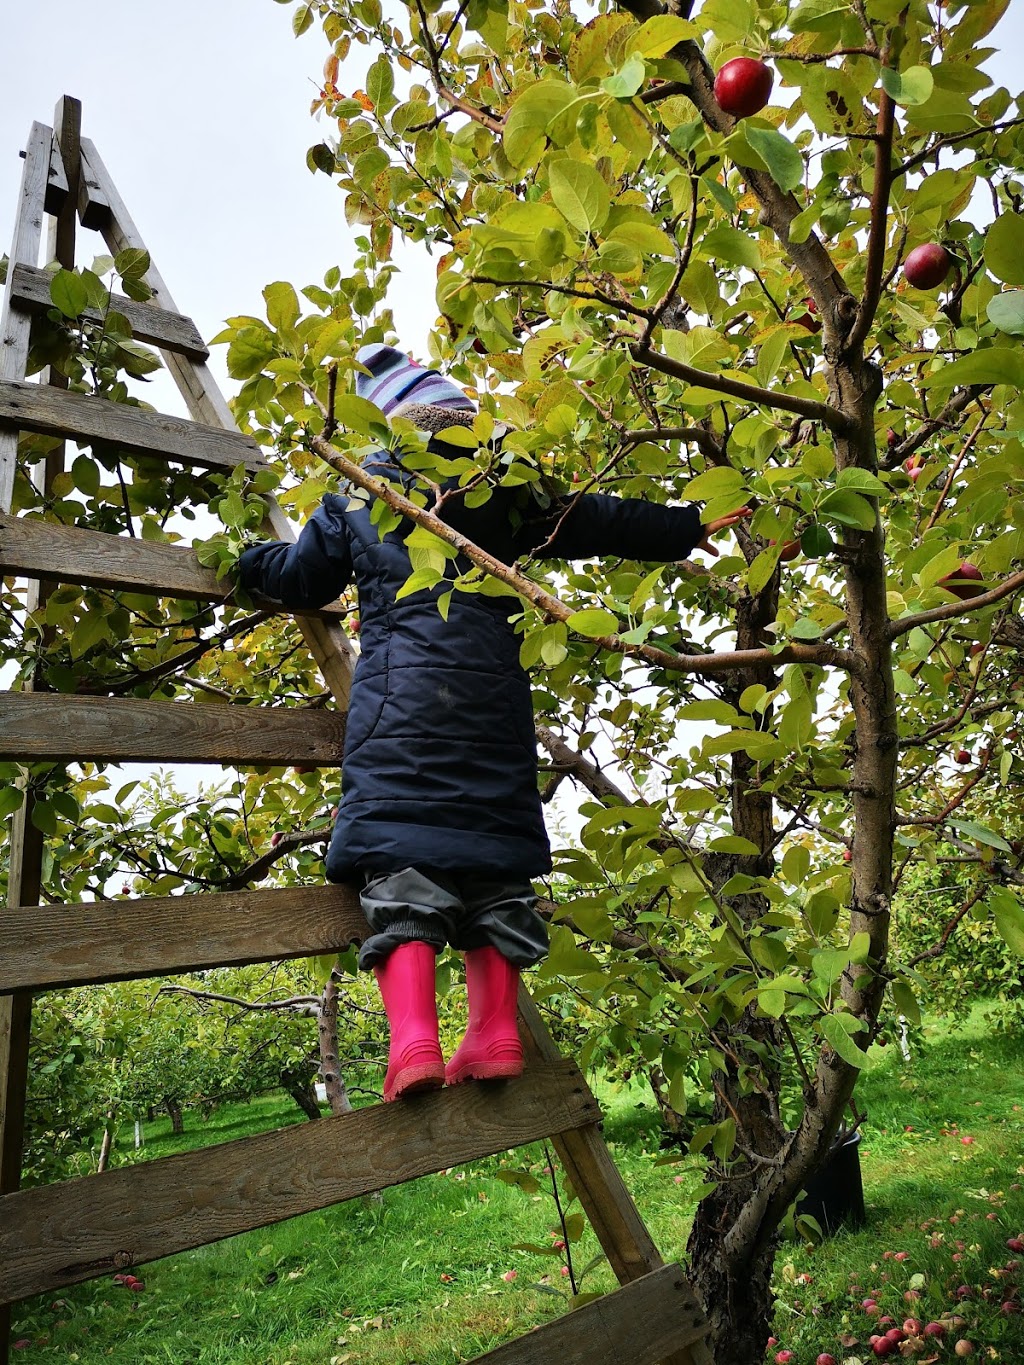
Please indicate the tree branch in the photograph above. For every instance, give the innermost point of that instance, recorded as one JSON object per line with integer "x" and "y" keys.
{"x": 1015, "y": 583}
{"x": 736, "y": 388}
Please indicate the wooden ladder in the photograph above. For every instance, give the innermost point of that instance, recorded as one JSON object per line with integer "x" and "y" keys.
{"x": 58, "y": 1235}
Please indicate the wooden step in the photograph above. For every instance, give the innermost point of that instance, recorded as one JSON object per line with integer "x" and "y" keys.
{"x": 30, "y": 289}
{"x": 43, "y": 947}
{"x": 639, "y": 1324}
{"x": 69, "y": 728}
{"x": 82, "y": 418}
{"x": 58, "y": 1235}
{"x": 69, "y": 554}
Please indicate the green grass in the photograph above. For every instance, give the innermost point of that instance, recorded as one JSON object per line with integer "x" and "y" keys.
{"x": 417, "y": 1278}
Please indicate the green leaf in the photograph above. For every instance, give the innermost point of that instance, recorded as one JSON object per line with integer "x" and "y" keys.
{"x": 972, "y": 829}
{"x": 249, "y": 352}
{"x": 817, "y": 541}
{"x": 720, "y": 482}
{"x": 849, "y": 509}
{"x": 772, "y": 1001}
{"x": 911, "y": 87}
{"x": 1006, "y": 311}
{"x": 994, "y": 365}
{"x": 906, "y": 1001}
{"x": 726, "y": 243}
{"x": 784, "y": 162}
{"x": 1009, "y": 916}
{"x": 839, "y": 1040}
{"x": 624, "y": 84}
{"x": 69, "y": 293}
{"x": 660, "y": 34}
{"x": 86, "y": 475}
{"x": 11, "y": 798}
{"x": 282, "y": 305}
{"x": 360, "y": 415}
{"x": 132, "y": 263}
{"x": 380, "y": 85}
{"x": 580, "y": 195}
{"x": 526, "y": 124}
{"x": 862, "y": 481}
{"x": 593, "y": 621}
{"x": 1004, "y": 248}
{"x": 302, "y": 19}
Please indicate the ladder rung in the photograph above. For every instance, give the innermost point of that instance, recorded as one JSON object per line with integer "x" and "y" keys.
{"x": 82, "y": 418}
{"x": 170, "y": 331}
{"x": 43, "y": 947}
{"x": 68, "y": 728}
{"x": 70, "y": 554}
{"x": 642, "y": 1323}
{"x": 58, "y": 1235}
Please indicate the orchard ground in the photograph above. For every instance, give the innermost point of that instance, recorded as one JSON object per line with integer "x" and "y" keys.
{"x": 436, "y": 1271}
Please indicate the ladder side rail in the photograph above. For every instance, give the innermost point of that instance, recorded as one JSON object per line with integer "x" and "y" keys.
{"x": 329, "y": 646}
{"x": 640, "y": 1323}
{"x": 62, "y": 148}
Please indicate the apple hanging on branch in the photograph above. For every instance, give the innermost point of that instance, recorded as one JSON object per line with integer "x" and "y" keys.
{"x": 743, "y": 86}
{"x": 966, "y": 581}
{"x": 927, "y": 266}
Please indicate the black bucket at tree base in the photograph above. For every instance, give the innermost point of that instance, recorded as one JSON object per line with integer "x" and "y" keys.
{"x": 834, "y": 1197}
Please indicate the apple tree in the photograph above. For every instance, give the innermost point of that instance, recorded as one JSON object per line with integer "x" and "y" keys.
{"x": 791, "y": 284}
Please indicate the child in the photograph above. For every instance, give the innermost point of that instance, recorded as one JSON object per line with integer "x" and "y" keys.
{"x": 440, "y": 821}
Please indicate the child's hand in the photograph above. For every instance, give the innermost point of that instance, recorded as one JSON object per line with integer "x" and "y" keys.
{"x": 721, "y": 524}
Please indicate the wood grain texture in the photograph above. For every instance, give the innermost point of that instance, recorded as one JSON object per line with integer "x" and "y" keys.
{"x": 640, "y": 1324}
{"x": 14, "y": 325}
{"x": 47, "y": 946}
{"x": 117, "y": 730}
{"x": 71, "y": 554}
{"x": 34, "y": 407}
{"x": 170, "y": 331}
{"x": 60, "y": 1234}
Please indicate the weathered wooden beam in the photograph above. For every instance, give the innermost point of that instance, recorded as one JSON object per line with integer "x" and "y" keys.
{"x": 43, "y": 947}
{"x": 33, "y": 407}
{"x": 169, "y": 331}
{"x": 57, "y": 182}
{"x": 641, "y": 1323}
{"x": 58, "y": 1235}
{"x": 68, "y": 728}
{"x": 70, "y": 554}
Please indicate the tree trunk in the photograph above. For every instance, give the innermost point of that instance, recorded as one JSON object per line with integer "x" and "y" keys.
{"x": 300, "y": 1086}
{"x": 330, "y": 1064}
{"x": 174, "y": 1109}
{"x": 107, "y": 1144}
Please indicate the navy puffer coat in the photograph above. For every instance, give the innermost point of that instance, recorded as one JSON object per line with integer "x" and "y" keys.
{"x": 440, "y": 763}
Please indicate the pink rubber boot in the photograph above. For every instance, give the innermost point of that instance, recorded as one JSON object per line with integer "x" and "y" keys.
{"x": 406, "y": 981}
{"x": 491, "y": 1049}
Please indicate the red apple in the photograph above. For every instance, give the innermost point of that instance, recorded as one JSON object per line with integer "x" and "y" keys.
{"x": 927, "y": 265}
{"x": 1015, "y": 1244}
{"x": 784, "y": 1357}
{"x": 790, "y": 550}
{"x": 825, "y": 1359}
{"x": 302, "y": 768}
{"x": 979, "y": 648}
{"x": 883, "y": 1346}
{"x": 334, "y": 812}
{"x": 934, "y": 1329}
{"x": 966, "y": 581}
{"x": 847, "y": 858}
{"x": 743, "y": 86}
{"x": 891, "y": 439}
{"x": 809, "y": 319}
{"x": 354, "y": 626}
{"x": 912, "y": 1327}
{"x": 913, "y": 467}
{"x": 276, "y": 838}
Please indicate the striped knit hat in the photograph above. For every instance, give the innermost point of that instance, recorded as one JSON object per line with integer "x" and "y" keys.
{"x": 395, "y": 380}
